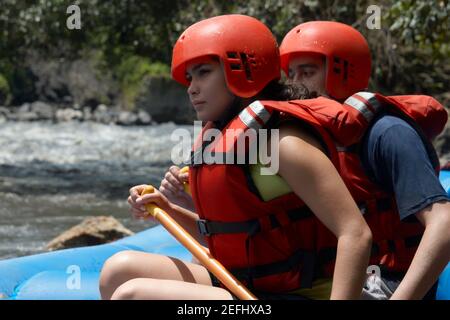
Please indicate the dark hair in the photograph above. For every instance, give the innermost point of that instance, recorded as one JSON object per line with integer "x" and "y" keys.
{"x": 280, "y": 90}
{"x": 277, "y": 90}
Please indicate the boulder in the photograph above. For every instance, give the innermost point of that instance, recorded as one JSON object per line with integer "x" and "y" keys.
{"x": 103, "y": 115}
{"x": 68, "y": 114}
{"x": 144, "y": 118}
{"x": 67, "y": 81}
{"x": 27, "y": 116}
{"x": 43, "y": 110}
{"x": 127, "y": 118}
{"x": 165, "y": 100}
{"x": 91, "y": 231}
{"x": 4, "y": 112}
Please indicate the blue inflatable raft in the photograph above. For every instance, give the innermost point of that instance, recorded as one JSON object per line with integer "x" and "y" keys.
{"x": 74, "y": 273}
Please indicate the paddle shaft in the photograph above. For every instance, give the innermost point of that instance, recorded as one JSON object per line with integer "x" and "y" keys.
{"x": 197, "y": 250}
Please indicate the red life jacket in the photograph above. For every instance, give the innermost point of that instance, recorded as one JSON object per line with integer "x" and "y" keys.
{"x": 279, "y": 245}
{"x": 394, "y": 241}
{"x": 270, "y": 246}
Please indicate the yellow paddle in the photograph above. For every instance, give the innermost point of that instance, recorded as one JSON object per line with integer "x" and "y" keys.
{"x": 186, "y": 187}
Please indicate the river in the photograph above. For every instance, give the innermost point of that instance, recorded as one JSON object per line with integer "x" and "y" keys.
{"x": 54, "y": 175}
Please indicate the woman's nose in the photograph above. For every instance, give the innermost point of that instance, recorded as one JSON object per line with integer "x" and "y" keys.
{"x": 193, "y": 88}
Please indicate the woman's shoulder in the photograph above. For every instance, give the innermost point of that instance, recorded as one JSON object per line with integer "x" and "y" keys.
{"x": 292, "y": 126}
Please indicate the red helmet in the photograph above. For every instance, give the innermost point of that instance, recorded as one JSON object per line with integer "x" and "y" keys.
{"x": 346, "y": 50}
{"x": 246, "y": 47}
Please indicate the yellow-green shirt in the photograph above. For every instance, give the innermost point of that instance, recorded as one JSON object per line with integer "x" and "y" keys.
{"x": 271, "y": 187}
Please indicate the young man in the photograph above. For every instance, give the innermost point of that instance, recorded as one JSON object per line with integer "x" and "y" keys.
{"x": 333, "y": 60}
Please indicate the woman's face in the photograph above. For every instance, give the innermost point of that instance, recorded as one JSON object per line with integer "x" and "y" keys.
{"x": 208, "y": 90}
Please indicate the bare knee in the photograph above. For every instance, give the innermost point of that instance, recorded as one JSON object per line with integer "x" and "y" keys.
{"x": 115, "y": 271}
{"x": 130, "y": 290}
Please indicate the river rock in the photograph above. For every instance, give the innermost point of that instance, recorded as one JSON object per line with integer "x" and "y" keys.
{"x": 68, "y": 114}
{"x": 165, "y": 100}
{"x": 26, "y": 107}
{"x": 4, "y": 112}
{"x": 103, "y": 115}
{"x": 43, "y": 110}
{"x": 27, "y": 116}
{"x": 24, "y": 113}
{"x": 144, "y": 118}
{"x": 67, "y": 81}
{"x": 87, "y": 114}
{"x": 127, "y": 118}
{"x": 91, "y": 231}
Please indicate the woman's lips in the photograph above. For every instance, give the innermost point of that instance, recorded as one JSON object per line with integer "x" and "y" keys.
{"x": 198, "y": 104}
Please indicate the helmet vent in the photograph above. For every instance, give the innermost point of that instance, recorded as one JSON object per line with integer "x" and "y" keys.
{"x": 232, "y": 55}
{"x": 340, "y": 66}
{"x": 245, "y": 62}
{"x": 235, "y": 66}
{"x": 241, "y": 61}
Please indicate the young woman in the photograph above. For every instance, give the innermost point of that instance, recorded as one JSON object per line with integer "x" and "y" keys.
{"x": 263, "y": 228}
{"x": 333, "y": 60}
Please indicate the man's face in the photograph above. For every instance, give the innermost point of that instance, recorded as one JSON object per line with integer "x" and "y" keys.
{"x": 309, "y": 69}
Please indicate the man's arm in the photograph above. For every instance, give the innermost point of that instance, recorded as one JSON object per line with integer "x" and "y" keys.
{"x": 432, "y": 255}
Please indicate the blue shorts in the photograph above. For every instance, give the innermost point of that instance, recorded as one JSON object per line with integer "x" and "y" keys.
{"x": 394, "y": 156}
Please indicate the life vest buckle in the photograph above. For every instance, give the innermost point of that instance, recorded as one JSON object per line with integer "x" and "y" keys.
{"x": 203, "y": 227}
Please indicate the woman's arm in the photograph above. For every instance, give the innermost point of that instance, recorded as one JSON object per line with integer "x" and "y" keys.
{"x": 312, "y": 176}
{"x": 431, "y": 256}
{"x": 188, "y": 219}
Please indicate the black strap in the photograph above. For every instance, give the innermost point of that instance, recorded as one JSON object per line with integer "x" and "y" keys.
{"x": 208, "y": 228}
{"x": 251, "y": 227}
{"x": 301, "y": 259}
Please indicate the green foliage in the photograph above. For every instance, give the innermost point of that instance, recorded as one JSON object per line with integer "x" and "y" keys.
{"x": 130, "y": 73}
{"x": 5, "y": 93}
{"x": 421, "y": 30}
{"x": 134, "y": 38}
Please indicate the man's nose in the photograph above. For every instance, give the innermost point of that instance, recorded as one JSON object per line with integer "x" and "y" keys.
{"x": 297, "y": 77}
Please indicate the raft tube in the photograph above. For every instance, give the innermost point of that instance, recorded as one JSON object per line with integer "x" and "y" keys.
{"x": 73, "y": 274}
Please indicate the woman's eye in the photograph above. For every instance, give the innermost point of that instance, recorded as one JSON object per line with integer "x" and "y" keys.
{"x": 203, "y": 71}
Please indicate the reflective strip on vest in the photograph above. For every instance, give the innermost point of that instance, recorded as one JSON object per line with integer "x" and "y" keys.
{"x": 249, "y": 120}
{"x": 360, "y": 107}
{"x": 371, "y": 99}
{"x": 258, "y": 108}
